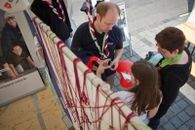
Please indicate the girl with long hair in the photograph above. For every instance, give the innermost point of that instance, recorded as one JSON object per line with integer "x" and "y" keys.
{"x": 144, "y": 96}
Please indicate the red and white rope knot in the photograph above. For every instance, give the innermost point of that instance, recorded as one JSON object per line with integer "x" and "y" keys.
{"x": 127, "y": 120}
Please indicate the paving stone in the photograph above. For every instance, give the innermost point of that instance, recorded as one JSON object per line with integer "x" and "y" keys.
{"x": 163, "y": 120}
{"x": 191, "y": 124}
{"x": 167, "y": 20}
{"x": 182, "y": 104}
{"x": 170, "y": 114}
{"x": 190, "y": 110}
{"x": 146, "y": 42}
{"x": 134, "y": 39}
{"x": 187, "y": 100}
{"x": 161, "y": 128}
{"x": 183, "y": 116}
{"x": 169, "y": 126}
{"x": 176, "y": 121}
{"x": 183, "y": 127}
{"x": 143, "y": 34}
{"x": 174, "y": 108}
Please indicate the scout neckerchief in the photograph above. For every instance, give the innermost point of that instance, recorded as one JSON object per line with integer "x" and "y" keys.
{"x": 103, "y": 51}
{"x": 170, "y": 61}
{"x": 60, "y": 14}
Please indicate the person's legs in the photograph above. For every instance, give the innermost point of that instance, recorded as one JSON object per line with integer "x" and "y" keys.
{"x": 19, "y": 68}
{"x": 155, "y": 121}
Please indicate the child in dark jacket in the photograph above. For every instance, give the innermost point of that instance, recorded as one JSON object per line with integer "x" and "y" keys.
{"x": 19, "y": 60}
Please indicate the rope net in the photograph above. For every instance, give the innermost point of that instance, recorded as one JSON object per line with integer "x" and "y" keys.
{"x": 89, "y": 100}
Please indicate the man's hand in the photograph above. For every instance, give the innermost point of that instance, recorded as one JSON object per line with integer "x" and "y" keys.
{"x": 114, "y": 64}
{"x": 118, "y": 55}
{"x": 103, "y": 64}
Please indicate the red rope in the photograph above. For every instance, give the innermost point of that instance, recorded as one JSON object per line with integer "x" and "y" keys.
{"x": 68, "y": 84}
{"x": 128, "y": 118}
{"x": 78, "y": 100}
{"x": 84, "y": 97}
{"x": 97, "y": 104}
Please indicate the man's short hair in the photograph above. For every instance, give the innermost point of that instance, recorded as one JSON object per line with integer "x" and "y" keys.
{"x": 171, "y": 38}
{"x": 103, "y": 7}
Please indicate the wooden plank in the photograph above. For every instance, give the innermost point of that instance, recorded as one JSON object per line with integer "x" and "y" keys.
{"x": 24, "y": 114}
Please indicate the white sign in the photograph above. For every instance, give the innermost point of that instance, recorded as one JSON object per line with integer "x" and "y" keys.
{"x": 20, "y": 87}
{"x": 12, "y": 6}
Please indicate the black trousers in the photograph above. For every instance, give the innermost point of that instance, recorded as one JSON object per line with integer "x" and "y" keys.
{"x": 155, "y": 121}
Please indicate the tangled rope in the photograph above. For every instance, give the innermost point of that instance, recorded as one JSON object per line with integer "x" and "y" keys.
{"x": 90, "y": 106}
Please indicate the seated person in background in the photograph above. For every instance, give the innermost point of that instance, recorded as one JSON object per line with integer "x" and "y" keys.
{"x": 102, "y": 39}
{"x": 19, "y": 60}
{"x": 144, "y": 96}
{"x": 5, "y": 70}
{"x": 10, "y": 34}
{"x": 174, "y": 68}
